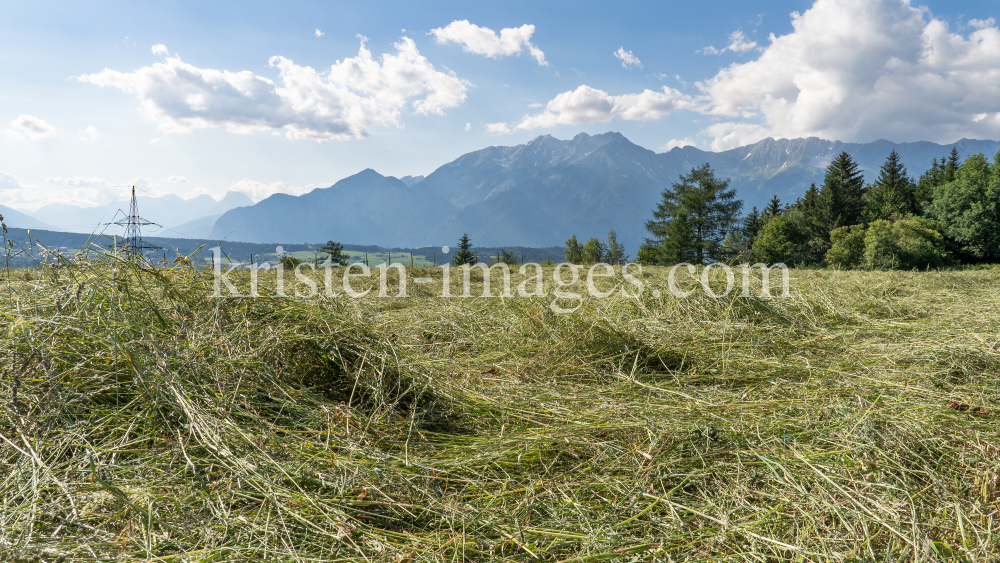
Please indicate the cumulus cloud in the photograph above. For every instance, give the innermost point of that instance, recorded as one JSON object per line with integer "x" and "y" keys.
{"x": 738, "y": 43}
{"x": 589, "y": 105}
{"x": 78, "y": 181}
{"x": 337, "y": 104}
{"x": 673, "y": 143}
{"x": 178, "y": 179}
{"x": 160, "y": 49}
{"x": 485, "y": 41}
{"x": 90, "y": 133}
{"x": 258, "y": 190}
{"x": 318, "y": 33}
{"x": 9, "y": 182}
{"x": 498, "y": 129}
{"x": 627, "y": 58}
{"x": 861, "y": 70}
{"x": 31, "y": 127}
{"x": 468, "y": 126}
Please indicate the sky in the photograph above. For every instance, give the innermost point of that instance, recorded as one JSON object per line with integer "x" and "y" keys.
{"x": 195, "y": 97}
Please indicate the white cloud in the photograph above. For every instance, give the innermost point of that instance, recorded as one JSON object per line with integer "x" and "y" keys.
{"x": 498, "y": 129}
{"x": 738, "y": 43}
{"x": 160, "y": 49}
{"x": 258, "y": 191}
{"x": 468, "y": 126}
{"x": 90, "y": 133}
{"x": 319, "y": 33}
{"x": 30, "y": 127}
{"x": 685, "y": 142}
{"x": 982, "y": 24}
{"x": 80, "y": 190}
{"x": 727, "y": 136}
{"x": 484, "y": 41}
{"x": 589, "y": 105}
{"x": 861, "y": 70}
{"x": 154, "y": 141}
{"x": 338, "y": 104}
{"x": 178, "y": 179}
{"x": 9, "y": 182}
{"x": 78, "y": 181}
{"x": 627, "y": 58}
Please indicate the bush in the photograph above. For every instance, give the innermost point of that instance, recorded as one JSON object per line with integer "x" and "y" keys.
{"x": 907, "y": 243}
{"x": 848, "y": 250}
{"x": 779, "y": 241}
{"x": 289, "y": 262}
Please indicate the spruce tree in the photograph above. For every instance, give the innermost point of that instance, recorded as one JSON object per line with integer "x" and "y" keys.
{"x": 893, "y": 192}
{"x": 951, "y": 167}
{"x": 615, "y": 250}
{"x": 593, "y": 251}
{"x": 841, "y": 200}
{"x": 680, "y": 243}
{"x": 751, "y": 225}
{"x": 335, "y": 251}
{"x": 574, "y": 252}
{"x": 464, "y": 254}
{"x": 773, "y": 207}
{"x": 932, "y": 178}
{"x": 694, "y": 216}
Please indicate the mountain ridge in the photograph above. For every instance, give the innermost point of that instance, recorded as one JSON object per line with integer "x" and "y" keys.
{"x": 538, "y": 193}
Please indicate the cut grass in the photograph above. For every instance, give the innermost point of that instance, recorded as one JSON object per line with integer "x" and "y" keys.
{"x": 142, "y": 420}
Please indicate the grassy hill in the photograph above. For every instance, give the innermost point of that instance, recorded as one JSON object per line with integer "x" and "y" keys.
{"x": 856, "y": 420}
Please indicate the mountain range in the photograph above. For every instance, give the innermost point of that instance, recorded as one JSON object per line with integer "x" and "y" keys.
{"x": 539, "y": 193}
{"x": 533, "y": 195}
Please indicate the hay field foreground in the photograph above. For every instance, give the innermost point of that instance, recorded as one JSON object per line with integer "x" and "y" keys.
{"x": 855, "y": 421}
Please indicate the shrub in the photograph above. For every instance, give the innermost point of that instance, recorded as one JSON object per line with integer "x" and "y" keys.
{"x": 848, "y": 250}
{"x": 782, "y": 240}
{"x": 289, "y": 262}
{"x": 907, "y": 243}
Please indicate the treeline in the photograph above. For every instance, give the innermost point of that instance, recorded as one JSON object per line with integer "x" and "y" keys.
{"x": 950, "y": 215}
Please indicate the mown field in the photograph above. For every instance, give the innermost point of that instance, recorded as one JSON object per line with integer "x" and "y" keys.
{"x": 141, "y": 420}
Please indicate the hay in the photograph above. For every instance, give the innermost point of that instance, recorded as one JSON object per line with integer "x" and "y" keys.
{"x": 142, "y": 420}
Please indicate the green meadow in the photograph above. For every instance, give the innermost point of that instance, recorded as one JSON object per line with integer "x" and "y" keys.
{"x": 857, "y": 419}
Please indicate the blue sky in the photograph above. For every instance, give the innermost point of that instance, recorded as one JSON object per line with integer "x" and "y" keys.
{"x": 89, "y": 103}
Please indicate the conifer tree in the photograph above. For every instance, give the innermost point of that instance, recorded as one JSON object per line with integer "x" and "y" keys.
{"x": 694, "y": 216}
{"x": 841, "y": 200}
{"x": 335, "y": 251}
{"x": 751, "y": 225}
{"x": 574, "y": 252}
{"x": 951, "y": 167}
{"x": 680, "y": 242}
{"x": 932, "y": 178}
{"x": 893, "y": 192}
{"x": 615, "y": 253}
{"x": 773, "y": 207}
{"x": 593, "y": 251}
{"x": 464, "y": 254}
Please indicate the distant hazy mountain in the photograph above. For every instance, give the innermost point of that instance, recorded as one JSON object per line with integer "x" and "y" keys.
{"x": 539, "y": 193}
{"x": 13, "y": 218}
{"x": 169, "y": 211}
{"x": 411, "y": 180}
{"x": 367, "y": 206}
